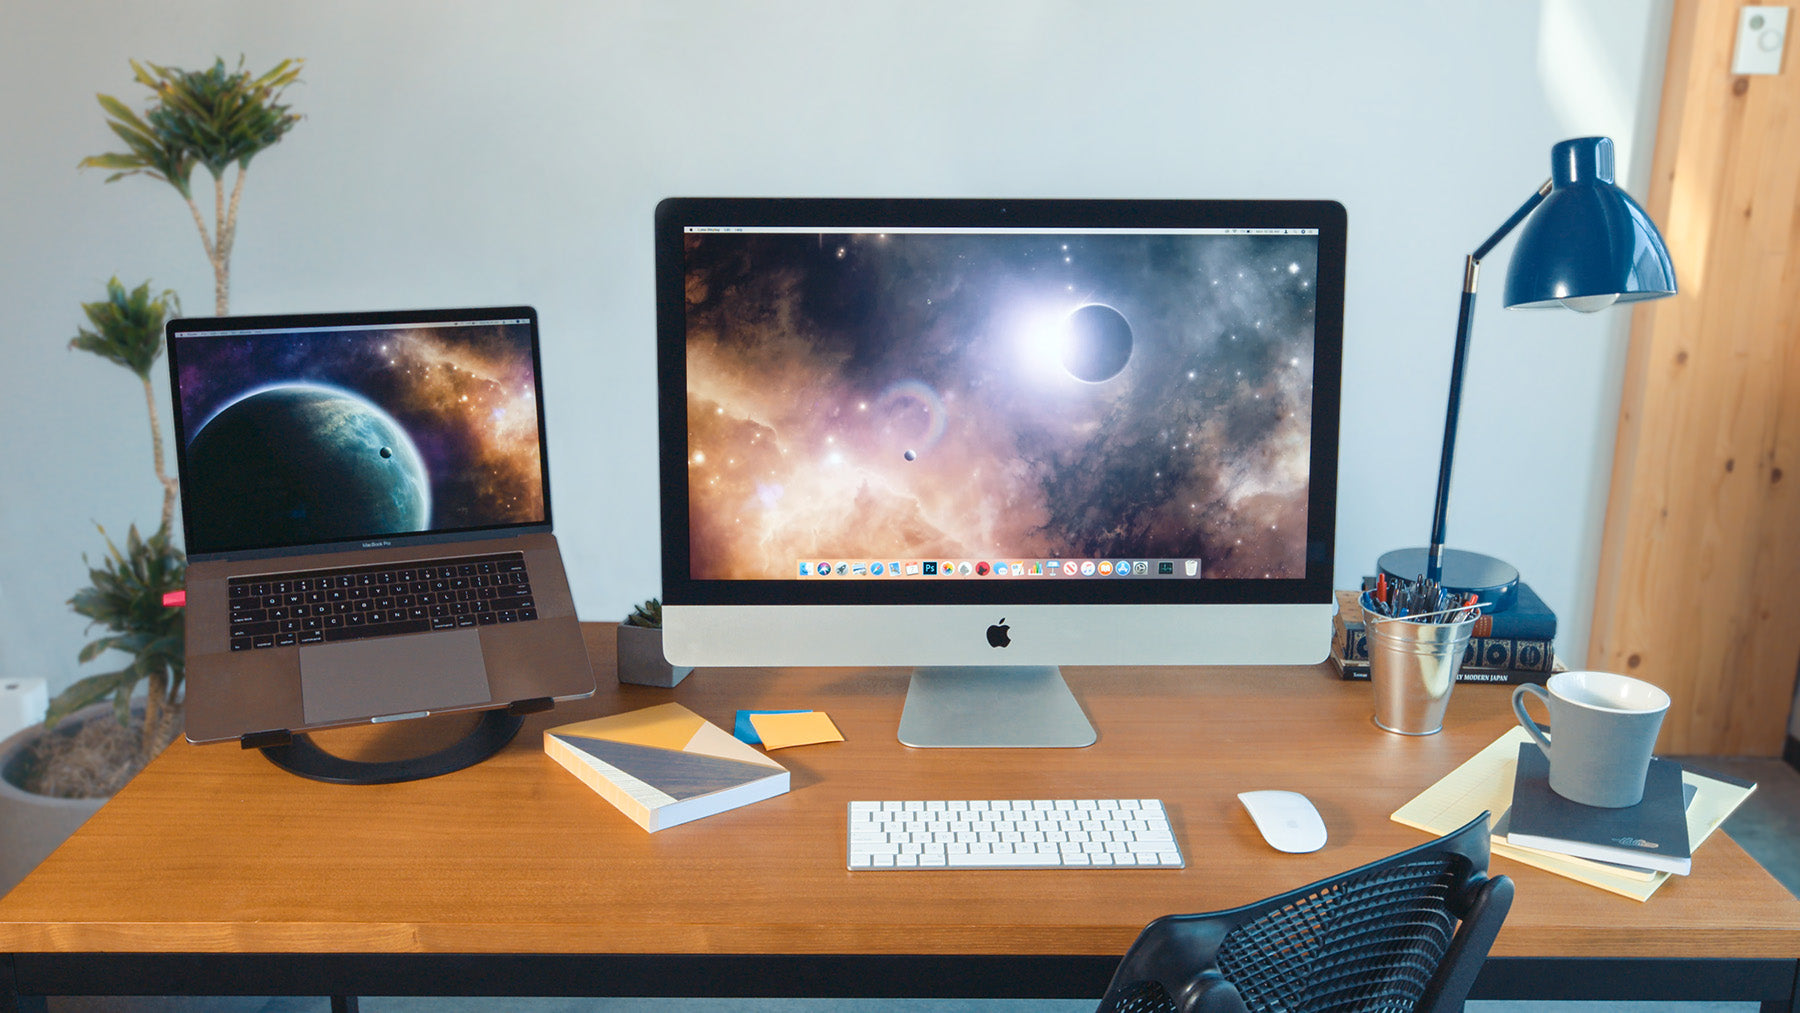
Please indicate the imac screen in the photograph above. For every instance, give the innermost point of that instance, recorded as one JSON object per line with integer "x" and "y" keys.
{"x": 954, "y": 431}
{"x": 881, "y": 403}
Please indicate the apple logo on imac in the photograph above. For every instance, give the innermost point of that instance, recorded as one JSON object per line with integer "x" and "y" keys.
{"x": 997, "y": 635}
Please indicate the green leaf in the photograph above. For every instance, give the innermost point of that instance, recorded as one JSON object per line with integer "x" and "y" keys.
{"x": 124, "y": 596}
{"x": 112, "y": 161}
{"x": 90, "y": 690}
{"x": 94, "y": 648}
{"x": 123, "y": 115}
{"x": 127, "y": 326}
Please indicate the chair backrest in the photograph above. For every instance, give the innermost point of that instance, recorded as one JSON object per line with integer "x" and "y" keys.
{"x": 1403, "y": 934}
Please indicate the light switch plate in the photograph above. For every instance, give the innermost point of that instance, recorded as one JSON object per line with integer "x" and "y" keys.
{"x": 1761, "y": 36}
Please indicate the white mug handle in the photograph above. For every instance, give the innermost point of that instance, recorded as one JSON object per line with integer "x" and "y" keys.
{"x": 1535, "y": 730}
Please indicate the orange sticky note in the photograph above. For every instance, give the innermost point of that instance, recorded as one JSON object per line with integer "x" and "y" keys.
{"x": 778, "y": 731}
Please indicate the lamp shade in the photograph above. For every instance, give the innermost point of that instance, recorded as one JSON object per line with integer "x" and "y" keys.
{"x": 1588, "y": 244}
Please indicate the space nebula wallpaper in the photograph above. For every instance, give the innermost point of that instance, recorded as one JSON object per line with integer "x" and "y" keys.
{"x": 308, "y": 437}
{"x": 1069, "y": 396}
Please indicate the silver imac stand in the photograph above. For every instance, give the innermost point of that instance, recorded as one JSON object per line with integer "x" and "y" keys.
{"x": 975, "y": 706}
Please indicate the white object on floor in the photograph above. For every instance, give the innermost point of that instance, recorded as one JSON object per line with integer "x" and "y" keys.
{"x": 23, "y": 703}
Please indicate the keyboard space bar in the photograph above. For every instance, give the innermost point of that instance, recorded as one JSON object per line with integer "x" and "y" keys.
{"x": 384, "y": 630}
{"x": 1027, "y": 861}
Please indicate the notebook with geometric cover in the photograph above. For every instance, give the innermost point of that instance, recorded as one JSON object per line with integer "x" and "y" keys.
{"x": 664, "y": 765}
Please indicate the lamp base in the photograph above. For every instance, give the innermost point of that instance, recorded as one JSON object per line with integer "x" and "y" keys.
{"x": 1495, "y": 582}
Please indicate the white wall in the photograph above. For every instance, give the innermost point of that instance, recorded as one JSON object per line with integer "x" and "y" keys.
{"x": 462, "y": 152}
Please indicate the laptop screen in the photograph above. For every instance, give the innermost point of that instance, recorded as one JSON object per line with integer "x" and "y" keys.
{"x": 327, "y": 430}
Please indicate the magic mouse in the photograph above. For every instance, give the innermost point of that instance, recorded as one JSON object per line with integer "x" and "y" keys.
{"x": 1286, "y": 819}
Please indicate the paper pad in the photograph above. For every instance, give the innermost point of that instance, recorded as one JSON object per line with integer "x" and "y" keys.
{"x": 778, "y": 731}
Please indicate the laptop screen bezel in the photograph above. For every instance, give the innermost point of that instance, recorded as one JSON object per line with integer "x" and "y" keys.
{"x": 182, "y": 329}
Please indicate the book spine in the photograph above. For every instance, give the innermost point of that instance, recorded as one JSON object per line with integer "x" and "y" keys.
{"x": 1528, "y": 619}
{"x": 1350, "y": 641}
{"x": 1358, "y": 671}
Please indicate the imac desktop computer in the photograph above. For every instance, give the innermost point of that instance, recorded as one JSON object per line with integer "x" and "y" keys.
{"x": 985, "y": 438}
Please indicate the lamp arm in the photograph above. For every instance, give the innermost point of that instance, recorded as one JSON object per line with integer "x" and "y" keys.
{"x": 1512, "y": 223}
{"x": 1434, "y": 559}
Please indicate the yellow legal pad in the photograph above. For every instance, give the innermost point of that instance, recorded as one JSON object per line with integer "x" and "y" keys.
{"x": 1485, "y": 782}
{"x": 778, "y": 731}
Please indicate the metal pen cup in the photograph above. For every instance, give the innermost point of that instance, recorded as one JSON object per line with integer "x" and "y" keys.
{"x": 1413, "y": 661}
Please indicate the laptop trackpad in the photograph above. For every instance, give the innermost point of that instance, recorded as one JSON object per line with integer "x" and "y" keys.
{"x": 392, "y": 675}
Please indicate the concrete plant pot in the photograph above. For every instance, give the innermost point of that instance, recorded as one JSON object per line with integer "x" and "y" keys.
{"x": 641, "y": 660}
{"x": 32, "y": 825}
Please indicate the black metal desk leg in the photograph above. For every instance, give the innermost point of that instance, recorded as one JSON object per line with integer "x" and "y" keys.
{"x": 10, "y": 999}
{"x": 344, "y": 1004}
{"x": 12, "y": 1002}
{"x": 1793, "y": 1002}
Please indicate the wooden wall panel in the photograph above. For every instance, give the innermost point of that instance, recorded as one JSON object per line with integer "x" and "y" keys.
{"x": 1700, "y": 560}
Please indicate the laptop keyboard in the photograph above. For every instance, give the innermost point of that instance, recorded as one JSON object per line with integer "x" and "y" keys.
{"x": 354, "y": 602}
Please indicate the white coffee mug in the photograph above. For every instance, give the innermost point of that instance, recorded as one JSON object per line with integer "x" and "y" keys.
{"x": 1603, "y": 727}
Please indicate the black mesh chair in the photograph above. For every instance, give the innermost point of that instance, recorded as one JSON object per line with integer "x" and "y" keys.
{"x": 1407, "y": 933}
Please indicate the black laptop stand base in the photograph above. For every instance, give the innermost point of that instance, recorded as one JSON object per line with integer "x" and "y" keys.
{"x": 298, "y": 754}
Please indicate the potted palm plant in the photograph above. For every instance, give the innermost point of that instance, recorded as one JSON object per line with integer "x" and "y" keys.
{"x": 52, "y": 778}
{"x": 214, "y": 118}
{"x": 94, "y": 738}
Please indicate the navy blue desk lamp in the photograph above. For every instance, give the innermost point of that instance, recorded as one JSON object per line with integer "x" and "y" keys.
{"x": 1587, "y": 246}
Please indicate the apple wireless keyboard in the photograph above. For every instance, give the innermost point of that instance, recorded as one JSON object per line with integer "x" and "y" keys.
{"x": 1084, "y": 833}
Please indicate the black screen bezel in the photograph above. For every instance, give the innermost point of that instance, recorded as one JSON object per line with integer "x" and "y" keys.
{"x": 676, "y": 214}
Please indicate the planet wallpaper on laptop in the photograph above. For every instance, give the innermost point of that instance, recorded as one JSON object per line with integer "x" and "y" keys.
{"x": 316, "y": 437}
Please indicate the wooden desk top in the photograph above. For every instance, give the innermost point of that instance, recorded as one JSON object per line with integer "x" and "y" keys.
{"x": 214, "y": 849}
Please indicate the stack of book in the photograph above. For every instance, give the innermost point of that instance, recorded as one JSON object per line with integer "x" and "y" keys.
{"x": 1639, "y": 840}
{"x": 1509, "y": 647}
{"x": 1510, "y": 778}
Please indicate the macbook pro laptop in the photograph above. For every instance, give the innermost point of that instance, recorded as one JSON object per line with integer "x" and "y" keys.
{"x": 366, "y": 503}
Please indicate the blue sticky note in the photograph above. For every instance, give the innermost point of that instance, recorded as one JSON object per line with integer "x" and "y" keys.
{"x": 744, "y": 731}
